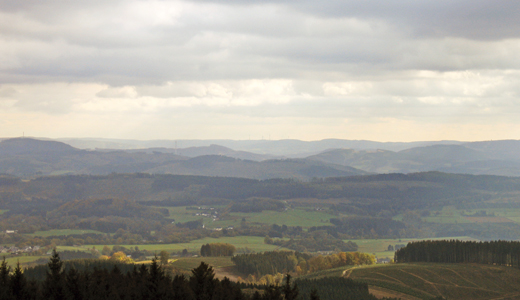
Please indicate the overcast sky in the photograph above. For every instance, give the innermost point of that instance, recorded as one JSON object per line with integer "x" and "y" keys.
{"x": 239, "y": 69}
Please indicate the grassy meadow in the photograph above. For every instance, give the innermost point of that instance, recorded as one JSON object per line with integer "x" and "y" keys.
{"x": 22, "y": 259}
{"x": 253, "y": 243}
{"x": 292, "y": 217}
{"x": 62, "y": 232}
{"x": 301, "y": 216}
{"x": 452, "y": 215}
{"x": 182, "y": 215}
{"x": 451, "y": 281}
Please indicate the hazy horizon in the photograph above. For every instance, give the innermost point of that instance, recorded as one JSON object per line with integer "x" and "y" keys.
{"x": 229, "y": 139}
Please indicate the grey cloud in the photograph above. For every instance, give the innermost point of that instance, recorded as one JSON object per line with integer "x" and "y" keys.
{"x": 94, "y": 41}
{"x": 473, "y": 19}
{"x": 307, "y": 42}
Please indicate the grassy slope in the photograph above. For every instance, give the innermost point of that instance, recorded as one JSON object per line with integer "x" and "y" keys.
{"x": 305, "y": 217}
{"x": 452, "y": 281}
{"x": 254, "y": 243}
{"x": 292, "y": 217}
{"x": 62, "y": 232}
{"x": 452, "y": 215}
{"x": 23, "y": 260}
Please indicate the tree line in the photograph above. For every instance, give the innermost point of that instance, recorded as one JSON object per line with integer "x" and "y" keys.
{"x": 144, "y": 282}
{"x": 505, "y": 253}
{"x": 217, "y": 249}
{"x": 273, "y": 262}
{"x": 314, "y": 241}
{"x": 330, "y": 288}
{"x": 269, "y": 262}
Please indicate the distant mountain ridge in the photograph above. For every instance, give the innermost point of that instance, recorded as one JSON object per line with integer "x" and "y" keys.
{"x": 26, "y": 156}
{"x": 24, "y": 146}
{"x": 30, "y": 157}
{"x": 208, "y": 150}
{"x": 492, "y": 158}
{"x": 287, "y": 147}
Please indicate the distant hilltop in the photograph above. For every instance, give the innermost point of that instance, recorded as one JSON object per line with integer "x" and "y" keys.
{"x": 27, "y": 146}
{"x": 259, "y": 159}
{"x": 286, "y": 147}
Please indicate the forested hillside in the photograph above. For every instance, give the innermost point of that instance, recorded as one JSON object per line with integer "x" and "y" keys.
{"x": 504, "y": 253}
{"x": 320, "y": 215}
{"x": 95, "y": 279}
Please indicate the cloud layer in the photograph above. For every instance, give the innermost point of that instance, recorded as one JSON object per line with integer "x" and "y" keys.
{"x": 392, "y": 70}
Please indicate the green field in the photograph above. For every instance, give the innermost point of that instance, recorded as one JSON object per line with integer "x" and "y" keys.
{"x": 62, "y": 232}
{"x": 3, "y": 211}
{"x": 27, "y": 259}
{"x": 292, "y": 217}
{"x": 254, "y": 243}
{"x": 181, "y": 214}
{"x": 305, "y": 217}
{"x": 379, "y": 247}
{"x": 452, "y": 281}
{"x": 13, "y": 260}
{"x": 451, "y": 215}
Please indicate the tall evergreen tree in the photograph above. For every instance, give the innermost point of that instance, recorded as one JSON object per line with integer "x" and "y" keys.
{"x": 53, "y": 284}
{"x": 290, "y": 292}
{"x": 314, "y": 295}
{"x": 202, "y": 282}
{"x": 256, "y": 296}
{"x": 158, "y": 283}
{"x": 5, "y": 288}
{"x": 181, "y": 288}
{"x": 18, "y": 284}
{"x": 272, "y": 292}
{"x": 74, "y": 285}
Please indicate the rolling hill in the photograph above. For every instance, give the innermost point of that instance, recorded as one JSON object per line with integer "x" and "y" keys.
{"x": 285, "y": 147}
{"x": 472, "y": 158}
{"x": 207, "y": 150}
{"x": 30, "y": 157}
{"x": 430, "y": 280}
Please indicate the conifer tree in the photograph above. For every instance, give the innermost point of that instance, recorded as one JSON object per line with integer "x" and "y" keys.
{"x": 314, "y": 295}
{"x": 202, "y": 282}
{"x": 53, "y": 284}
{"x": 181, "y": 289}
{"x": 157, "y": 286}
{"x": 73, "y": 285}
{"x": 5, "y": 290}
{"x": 256, "y": 296}
{"x": 18, "y": 284}
{"x": 290, "y": 292}
{"x": 272, "y": 292}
